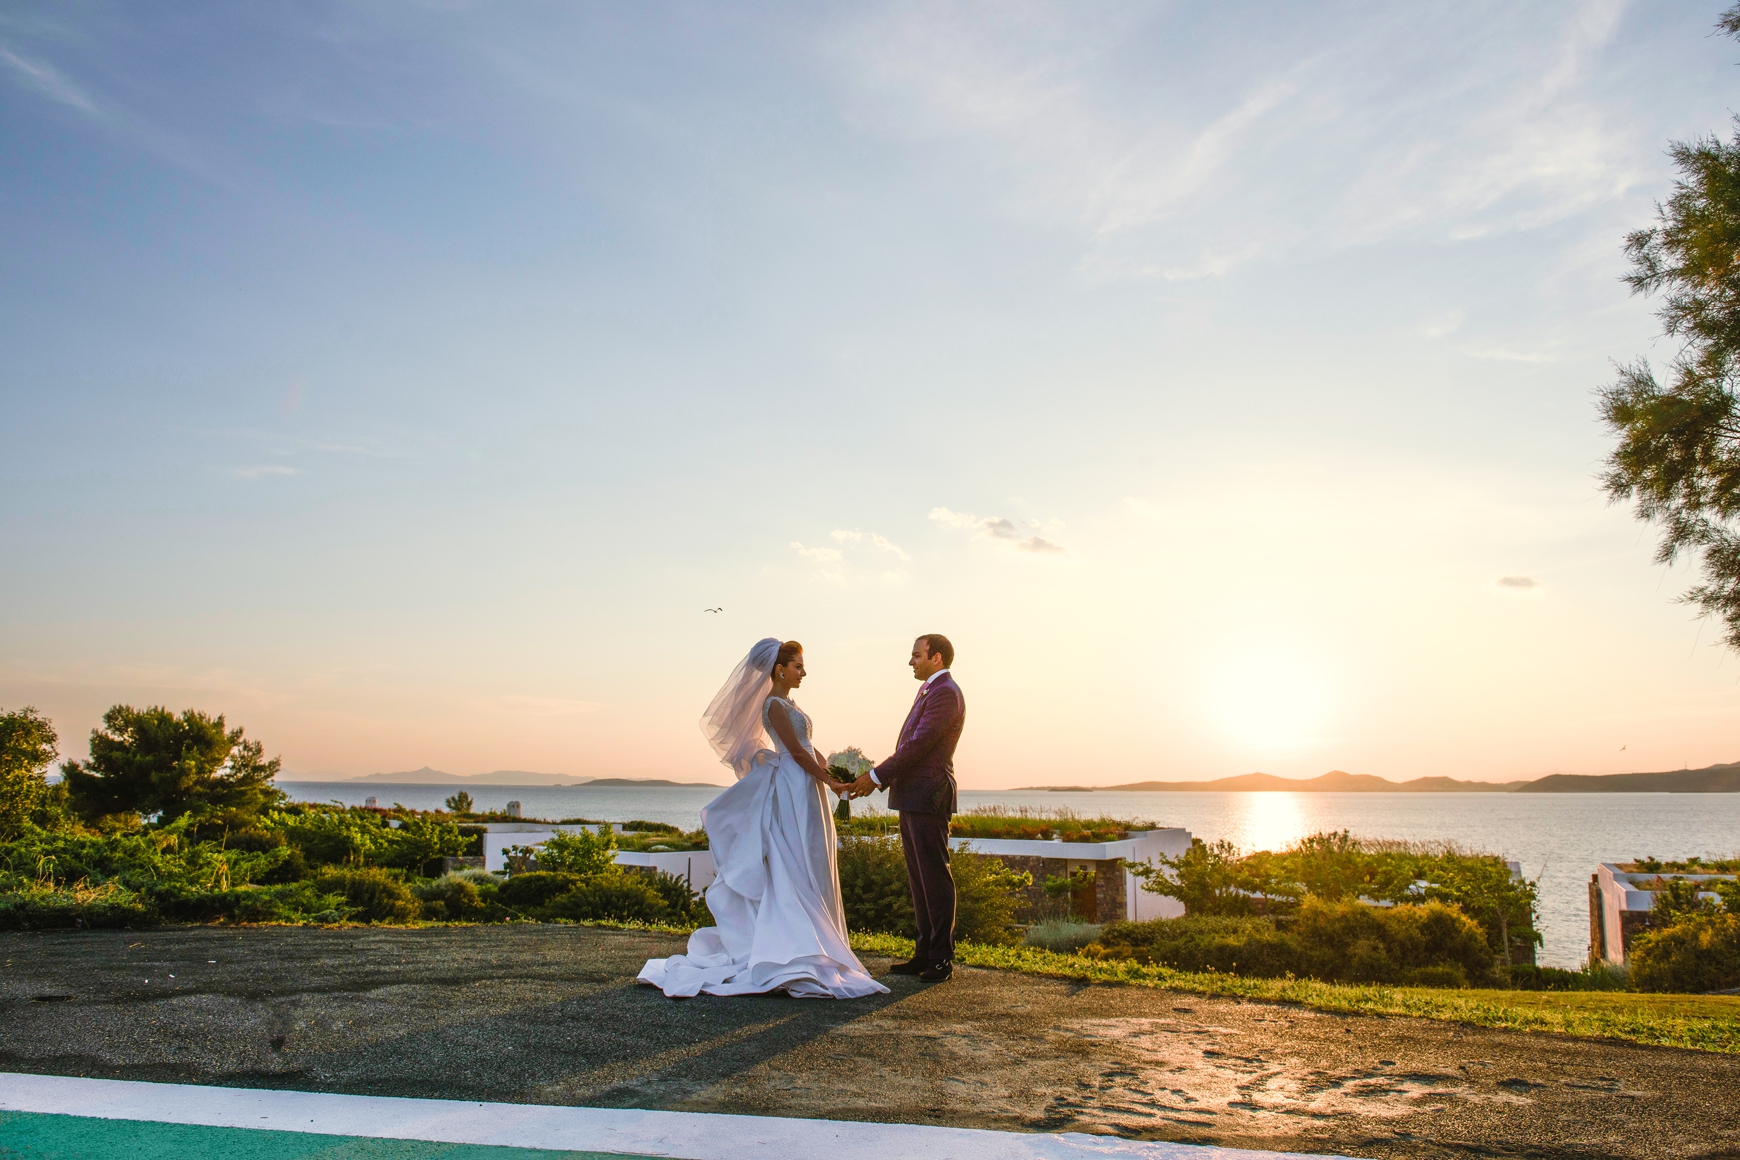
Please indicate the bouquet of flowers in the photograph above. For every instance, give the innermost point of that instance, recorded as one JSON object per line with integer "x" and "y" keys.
{"x": 849, "y": 764}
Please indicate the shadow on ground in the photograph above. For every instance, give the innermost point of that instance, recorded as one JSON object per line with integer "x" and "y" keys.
{"x": 549, "y": 1014}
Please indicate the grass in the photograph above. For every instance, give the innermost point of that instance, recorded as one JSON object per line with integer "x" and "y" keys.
{"x": 998, "y": 822}
{"x": 1701, "y": 1022}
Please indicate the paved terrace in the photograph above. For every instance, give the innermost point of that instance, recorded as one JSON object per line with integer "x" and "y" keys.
{"x": 548, "y": 1015}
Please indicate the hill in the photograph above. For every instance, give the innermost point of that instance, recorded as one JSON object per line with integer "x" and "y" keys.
{"x": 1710, "y": 779}
{"x": 1335, "y": 781}
{"x": 427, "y": 776}
{"x": 647, "y": 781}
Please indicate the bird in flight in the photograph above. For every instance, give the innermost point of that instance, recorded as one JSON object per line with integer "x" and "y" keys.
{"x": 712, "y": 610}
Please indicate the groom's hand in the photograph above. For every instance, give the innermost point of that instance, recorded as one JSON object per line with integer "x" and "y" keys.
{"x": 862, "y": 786}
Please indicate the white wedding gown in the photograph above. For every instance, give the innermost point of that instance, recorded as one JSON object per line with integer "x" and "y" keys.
{"x": 777, "y": 895}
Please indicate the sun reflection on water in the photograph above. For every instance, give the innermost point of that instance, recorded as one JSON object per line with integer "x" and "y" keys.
{"x": 1268, "y": 821}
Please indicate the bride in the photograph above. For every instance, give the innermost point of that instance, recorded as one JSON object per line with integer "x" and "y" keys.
{"x": 777, "y": 895}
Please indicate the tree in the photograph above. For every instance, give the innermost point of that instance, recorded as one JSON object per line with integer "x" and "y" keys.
{"x": 460, "y": 803}
{"x": 1678, "y": 453}
{"x": 27, "y": 749}
{"x": 150, "y": 761}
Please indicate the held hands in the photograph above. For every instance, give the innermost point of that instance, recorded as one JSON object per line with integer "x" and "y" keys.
{"x": 861, "y": 788}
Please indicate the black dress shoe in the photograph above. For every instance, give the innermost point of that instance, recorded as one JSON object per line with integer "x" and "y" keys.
{"x": 910, "y": 967}
{"x": 937, "y": 972}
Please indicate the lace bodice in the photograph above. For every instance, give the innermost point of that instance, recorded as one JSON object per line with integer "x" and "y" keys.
{"x": 800, "y": 723}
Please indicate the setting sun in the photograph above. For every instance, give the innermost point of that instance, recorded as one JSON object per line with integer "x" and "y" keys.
{"x": 1269, "y": 699}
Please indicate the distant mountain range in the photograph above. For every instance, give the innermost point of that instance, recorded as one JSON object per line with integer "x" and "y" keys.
{"x": 1711, "y": 779}
{"x": 427, "y": 776}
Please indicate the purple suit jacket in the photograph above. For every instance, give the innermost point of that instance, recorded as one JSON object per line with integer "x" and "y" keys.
{"x": 920, "y": 775}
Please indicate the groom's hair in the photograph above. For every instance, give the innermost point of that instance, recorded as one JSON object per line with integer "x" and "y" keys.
{"x": 936, "y": 643}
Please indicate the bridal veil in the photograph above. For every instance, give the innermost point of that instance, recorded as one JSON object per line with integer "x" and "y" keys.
{"x": 732, "y": 723}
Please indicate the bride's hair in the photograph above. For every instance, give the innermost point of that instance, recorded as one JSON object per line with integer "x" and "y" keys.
{"x": 788, "y": 652}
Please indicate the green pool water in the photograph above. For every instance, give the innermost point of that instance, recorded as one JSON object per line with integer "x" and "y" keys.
{"x": 38, "y": 1136}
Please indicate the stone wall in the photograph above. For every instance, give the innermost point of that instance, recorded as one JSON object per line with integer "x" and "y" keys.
{"x": 1104, "y": 902}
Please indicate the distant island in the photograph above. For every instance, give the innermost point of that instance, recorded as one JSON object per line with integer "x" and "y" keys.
{"x": 1710, "y": 779}
{"x": 642, "y": 781}
{"x": 515, "y": 777}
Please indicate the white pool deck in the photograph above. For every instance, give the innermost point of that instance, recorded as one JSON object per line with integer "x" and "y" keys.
{"x": 688, "y": 1135}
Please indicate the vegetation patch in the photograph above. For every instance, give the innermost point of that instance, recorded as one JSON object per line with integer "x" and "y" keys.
{"x": 1702, "y": 1022}
{"x": 998, "y": 822}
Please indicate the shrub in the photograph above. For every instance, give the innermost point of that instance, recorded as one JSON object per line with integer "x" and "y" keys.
{"x": 1061, "y": 935}
{"x": 987, "y": 895}
{"x": 27, "y": 748}
{"x": 1430, "y": 944}
{"x": 450, "y": 898}
{"x": 1232, "y": 944}
{"x": 582, "y": 852}
{"x": 1213, "y": 878}
{"x": 684, "y": 904}
{"x": 1698, "y": 953}
{"x": 370, "y": 894}
{"x": 1593, "y": 977}
{"x": 873, "y": 886}
{"x": 292, "y": 902}
{"x": 531, "y": 890}
{"x": 101, "y": 908}
{"x": 874, "y": 891}
{"x": 617, "y": 896}
{"x": 639, "y": 827}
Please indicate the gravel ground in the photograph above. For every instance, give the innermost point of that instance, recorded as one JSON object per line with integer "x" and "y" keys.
{"x": 547, "y": 1014}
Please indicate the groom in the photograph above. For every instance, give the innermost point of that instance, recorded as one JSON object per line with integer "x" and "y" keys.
{"x": 920, "y": 780}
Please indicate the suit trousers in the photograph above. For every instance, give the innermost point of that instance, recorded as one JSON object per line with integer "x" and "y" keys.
{"x": 925, "y": 840}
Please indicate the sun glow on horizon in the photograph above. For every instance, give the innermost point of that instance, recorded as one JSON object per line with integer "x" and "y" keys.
{"x": 1269, "y": 699}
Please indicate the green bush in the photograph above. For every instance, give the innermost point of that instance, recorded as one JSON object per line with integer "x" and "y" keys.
{"x": 684, "y": 905}
{"x": 1062, "y": 935}
{"x": 54, "y": 908}
{"x": 450, "y": 899}
{"x": 1430, "y": 945}
{"x": 1214, "y": 878}
{"x": 290, "y": 902}
{"x": 876, "y": 897}
{"x": 1232, "y": 944}
{"x": 1593, "y": 977}
{"x": 27, "y": 748}
{"x": 582, "y": 852}
{"x": 873, "y": 886}
{"x": 531, "y": 890}
{"x": 987, "y": 895}
{"x": 370, "y": 894}
{"x": 616, "y": 896}
{"x": 1700, "y": 952}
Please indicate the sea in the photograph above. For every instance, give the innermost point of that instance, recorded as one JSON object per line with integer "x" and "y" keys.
{"x": 1557, "y": 838}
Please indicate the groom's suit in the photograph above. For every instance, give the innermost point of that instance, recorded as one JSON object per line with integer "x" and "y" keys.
{"x": 920, "y": 779}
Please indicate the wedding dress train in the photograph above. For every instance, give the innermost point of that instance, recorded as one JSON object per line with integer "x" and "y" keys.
{"x": 781, "y": 926}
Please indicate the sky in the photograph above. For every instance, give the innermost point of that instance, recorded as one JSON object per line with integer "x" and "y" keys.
{"x": 403, "y": 381}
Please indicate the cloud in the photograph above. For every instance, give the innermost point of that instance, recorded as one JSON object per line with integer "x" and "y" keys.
{"x": 1163, "y": 152}
{"x": 819, "y": 555}
{"x": 264, "y": 470}
{"x": 997, "y": 528}
{"x": 45, "y": 80}
{"x": 1518, "y": 582}
{"x": 882, "y": 542}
